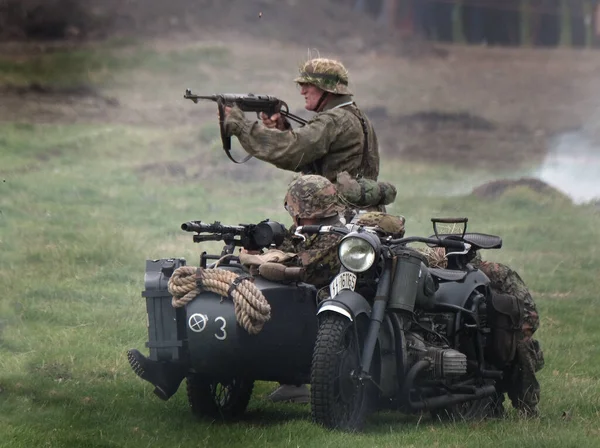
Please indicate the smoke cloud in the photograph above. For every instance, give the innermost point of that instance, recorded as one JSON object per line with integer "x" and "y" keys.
{"x": 573, "y": 166}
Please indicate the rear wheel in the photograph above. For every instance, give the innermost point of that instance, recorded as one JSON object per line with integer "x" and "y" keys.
{"x": 218, "y": 399}
{"x": 338, "y": 399}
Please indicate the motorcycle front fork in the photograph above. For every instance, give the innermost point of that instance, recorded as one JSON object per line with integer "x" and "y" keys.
{"x": 377, "y": 315}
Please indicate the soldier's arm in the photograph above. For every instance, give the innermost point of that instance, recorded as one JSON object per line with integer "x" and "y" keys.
{"x": 290, "y": 149}
{"x": 320, "y": 260}
{"x": 288, "y": 242}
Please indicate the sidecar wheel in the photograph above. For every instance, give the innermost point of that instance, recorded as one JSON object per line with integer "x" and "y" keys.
{"x": 224, "y": 400}
{"x": 338, "y": 400}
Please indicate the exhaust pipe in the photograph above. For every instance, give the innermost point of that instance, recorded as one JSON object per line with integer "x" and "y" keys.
{"x": 450, "y": 400}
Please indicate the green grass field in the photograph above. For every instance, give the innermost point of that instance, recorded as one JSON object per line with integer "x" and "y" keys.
{"x": 83, "y": 206}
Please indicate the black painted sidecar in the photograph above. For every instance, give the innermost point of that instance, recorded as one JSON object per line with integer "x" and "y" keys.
{"x": 221, "y": 358}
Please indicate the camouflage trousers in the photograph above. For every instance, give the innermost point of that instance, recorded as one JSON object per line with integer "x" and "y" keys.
{"x": 519, "y": 381}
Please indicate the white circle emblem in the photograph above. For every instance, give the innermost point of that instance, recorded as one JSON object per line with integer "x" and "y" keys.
{"x": 197, "y": 322}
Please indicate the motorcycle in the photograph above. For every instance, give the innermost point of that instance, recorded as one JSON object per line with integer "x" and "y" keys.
{"x": 397, "y": 333}
{"x": 393, "y": 333}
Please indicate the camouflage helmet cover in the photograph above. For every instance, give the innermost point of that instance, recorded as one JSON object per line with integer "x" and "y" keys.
{"x": 327, "y": 74}
{"x": 312, "y": 197}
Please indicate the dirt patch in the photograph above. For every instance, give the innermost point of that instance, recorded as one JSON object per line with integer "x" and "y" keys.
{"x": 434, "y": 120}
{"x": 54, "y": 370}
{"x": 208, "y": 165}
{"x": 460, "y": 139}
{"x": 495, "y": 189}
{"x": 71, "y": 93}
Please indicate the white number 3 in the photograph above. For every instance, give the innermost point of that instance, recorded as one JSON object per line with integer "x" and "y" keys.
{"x": 221, "y": 337}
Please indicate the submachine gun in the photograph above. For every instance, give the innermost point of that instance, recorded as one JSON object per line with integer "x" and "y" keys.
{"x": 248, "y": 103}
{"x": 249, "y": 236}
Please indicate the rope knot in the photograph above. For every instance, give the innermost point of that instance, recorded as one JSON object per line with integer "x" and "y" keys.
{"x": 251, "y": 308}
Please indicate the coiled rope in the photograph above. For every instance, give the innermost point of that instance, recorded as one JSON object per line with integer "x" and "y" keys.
{"x": 251, "y": 308}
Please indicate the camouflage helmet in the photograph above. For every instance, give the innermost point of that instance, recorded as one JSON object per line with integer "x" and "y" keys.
{"x": 312, "y": 197}
{"x": 327, "y": 74}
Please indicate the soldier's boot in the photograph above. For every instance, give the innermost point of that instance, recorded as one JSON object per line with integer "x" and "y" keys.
{"x": 524, "y": 390}
{"x": 164, "y": 376}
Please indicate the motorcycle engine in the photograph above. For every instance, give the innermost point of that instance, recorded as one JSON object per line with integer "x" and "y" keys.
{"x": 444, "y": 362}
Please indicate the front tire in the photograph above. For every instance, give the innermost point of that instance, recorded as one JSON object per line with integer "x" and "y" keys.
{"x": 224, "y": 400}
{"x": 338, "y": 399}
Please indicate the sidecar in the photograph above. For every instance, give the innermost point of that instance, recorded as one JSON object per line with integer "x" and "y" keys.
{"x": 223, "y": 360}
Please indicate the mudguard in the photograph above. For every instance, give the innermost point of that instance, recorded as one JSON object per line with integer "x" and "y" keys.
{"x": 351, "y": 305}
{"x": 457, "y": 293}
{"x": 347, "y": 303}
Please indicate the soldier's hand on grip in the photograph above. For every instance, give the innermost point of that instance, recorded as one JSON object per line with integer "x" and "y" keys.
{"x": 273, "y": 122}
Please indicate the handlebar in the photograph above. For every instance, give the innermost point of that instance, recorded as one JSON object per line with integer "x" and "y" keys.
{"x": 445, "y": 242}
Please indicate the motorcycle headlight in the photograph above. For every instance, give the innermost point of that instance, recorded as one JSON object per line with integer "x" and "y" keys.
{"x": 358, "y": 251}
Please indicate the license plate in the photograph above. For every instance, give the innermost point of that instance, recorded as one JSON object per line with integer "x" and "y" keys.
{"x": 345, "y": 280}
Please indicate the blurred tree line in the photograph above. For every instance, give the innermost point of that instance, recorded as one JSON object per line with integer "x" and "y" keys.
{"x": 494, "y": 22}
{"x": 60, "y": 19}
{"x": 47, "y": 19}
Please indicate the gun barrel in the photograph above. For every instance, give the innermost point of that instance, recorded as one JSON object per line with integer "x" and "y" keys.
{"x": 188, "y": 94}
{"x": 216, "y": 227}
{"x": 192, "y": 226}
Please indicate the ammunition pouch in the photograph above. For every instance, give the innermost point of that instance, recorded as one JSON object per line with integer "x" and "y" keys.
{"x": 505, "y": 315}
{"x": 364, "y": 193}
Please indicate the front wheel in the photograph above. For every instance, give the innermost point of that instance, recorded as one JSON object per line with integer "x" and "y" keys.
{"x": 338, "y": 399}
{"x": 225, "y": 400}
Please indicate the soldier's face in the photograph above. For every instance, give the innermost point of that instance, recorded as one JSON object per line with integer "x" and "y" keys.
{"x": 311, "y": 95}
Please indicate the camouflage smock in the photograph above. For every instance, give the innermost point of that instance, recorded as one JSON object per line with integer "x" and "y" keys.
{"x": 317, "y": 255}
{"x": 331, "y": 142}
{"x": 519, "y": 380}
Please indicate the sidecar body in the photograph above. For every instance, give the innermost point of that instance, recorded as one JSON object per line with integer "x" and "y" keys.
{"x": 205, "y": 336}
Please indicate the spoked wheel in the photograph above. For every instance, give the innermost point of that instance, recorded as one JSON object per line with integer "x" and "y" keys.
{"x": 218, "y": 399}
{"x": 338, "y": 399}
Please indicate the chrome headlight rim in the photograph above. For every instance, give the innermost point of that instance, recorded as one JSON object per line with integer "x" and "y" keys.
{"x": 372, "y": 243}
